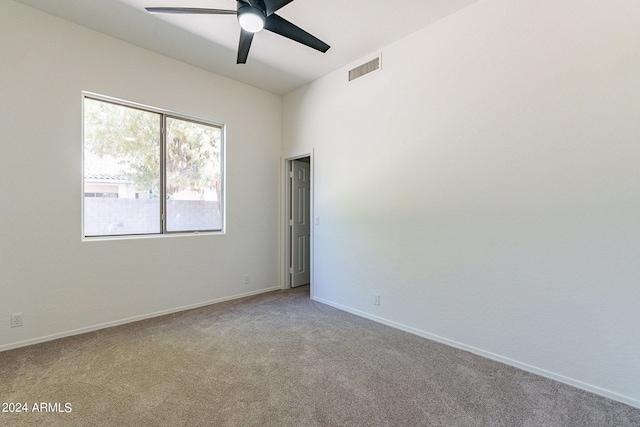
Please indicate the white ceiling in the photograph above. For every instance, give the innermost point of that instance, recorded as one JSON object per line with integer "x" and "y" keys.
{"x": 353, "y": 29}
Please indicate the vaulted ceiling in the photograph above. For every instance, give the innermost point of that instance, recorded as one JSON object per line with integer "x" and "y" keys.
{"x": 353, "y": 29}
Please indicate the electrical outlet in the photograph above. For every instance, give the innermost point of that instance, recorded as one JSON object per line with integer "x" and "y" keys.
{"x": 246, "y": 279}
{"x": 376, "y": 299}
{"x": 16, "y": 320}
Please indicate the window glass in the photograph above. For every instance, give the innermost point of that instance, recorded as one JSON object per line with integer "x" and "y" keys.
{"x": 193, "y": 176}
{"x": 129, "y": 190}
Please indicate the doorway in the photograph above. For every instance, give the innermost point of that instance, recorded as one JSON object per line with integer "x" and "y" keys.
{"x": 298, "y": 222}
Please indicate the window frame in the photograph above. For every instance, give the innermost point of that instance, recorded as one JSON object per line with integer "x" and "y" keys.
{"x": 164, "y": 114}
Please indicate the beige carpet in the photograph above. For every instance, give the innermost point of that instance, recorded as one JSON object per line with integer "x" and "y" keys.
{"x": 279, "y": 359}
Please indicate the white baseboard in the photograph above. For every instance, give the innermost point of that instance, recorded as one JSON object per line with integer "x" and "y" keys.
{"x": 129, "y": 320}
{"x": 525, "y": 367}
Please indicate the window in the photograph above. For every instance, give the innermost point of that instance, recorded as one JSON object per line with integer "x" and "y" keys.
{"x": 147, "y": 171}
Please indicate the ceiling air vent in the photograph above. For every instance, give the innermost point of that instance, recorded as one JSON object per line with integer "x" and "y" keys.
{"x": 366, "y": 68}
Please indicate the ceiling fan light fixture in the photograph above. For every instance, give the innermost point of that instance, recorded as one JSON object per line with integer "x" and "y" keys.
{"x": 251, "y": 19}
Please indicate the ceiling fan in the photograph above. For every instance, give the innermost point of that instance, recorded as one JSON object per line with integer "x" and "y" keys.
{"x": 254, "y": 16}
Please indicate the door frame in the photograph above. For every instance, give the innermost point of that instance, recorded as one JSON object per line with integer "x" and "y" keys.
{"x": 285, "y": 282}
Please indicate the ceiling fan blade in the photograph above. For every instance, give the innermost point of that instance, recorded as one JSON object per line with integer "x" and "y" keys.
{"x": 252, "y": 3}
{"x": 243, "y": 47}
{"x": 273, "y": 5}
{"x": 281, "y": 26}
{"x": 190, "y": 10}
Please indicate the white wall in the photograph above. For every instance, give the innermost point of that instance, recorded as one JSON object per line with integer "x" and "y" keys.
{"x": 486, "y": 183}
{"x": 62, "y": 284}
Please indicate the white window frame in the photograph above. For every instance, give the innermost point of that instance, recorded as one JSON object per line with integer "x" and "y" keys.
{"x": 164, "y": 114}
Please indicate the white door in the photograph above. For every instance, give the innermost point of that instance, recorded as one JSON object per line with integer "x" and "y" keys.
{"x": 299, "y": 223}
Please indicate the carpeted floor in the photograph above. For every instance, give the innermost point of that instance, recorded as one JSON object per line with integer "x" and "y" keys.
{"x": 280, "y": 359}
